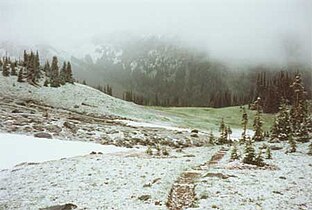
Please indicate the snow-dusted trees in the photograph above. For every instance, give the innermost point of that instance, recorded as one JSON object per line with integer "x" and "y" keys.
{"x": 258, "y": 123}
{"x": 281, "y": 129}
{"x": 54, "y": 79}
{"x": 223, "y": 133}
{"x": 244, "y": 124}
{"x": 299, "y": 112}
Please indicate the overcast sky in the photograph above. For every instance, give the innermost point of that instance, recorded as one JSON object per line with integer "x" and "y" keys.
{"x": 232, "y": 29}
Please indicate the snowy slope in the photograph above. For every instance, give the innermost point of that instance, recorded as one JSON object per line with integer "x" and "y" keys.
{"x": 16, "y": 149}
{"x": 97, "y": 181}
{"x": 84, "y": 98}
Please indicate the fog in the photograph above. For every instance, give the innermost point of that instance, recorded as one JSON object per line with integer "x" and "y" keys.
{"x": 239, "y": 30}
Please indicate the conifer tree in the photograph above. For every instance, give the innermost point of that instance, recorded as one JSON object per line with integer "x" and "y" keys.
{"x": 292, "y": 144}
{"x": 259, "y": 160}
{"x": 244, "y": 124}
{"x": 55, "y": 81}
{"x": 281, "y": 128}
{"x": 234, "y": 154}
{"x": 47, "y": 69}
{"x": 257, "y": 125}
{"x": 249, "y": 153}
{"x": 63, "y": 74}
{"x": 229, "y": 132}
{"x": 149, "y": 150}
{"x": 268, "y": 153}
{"x": 13, "y": 69}
{"x": 25, "y": 64}
{"x": 20, "y": 75}
{"x": 211, "y": 138}
{"x": 223, "y": 133}
{"x": 5, "y": 69}
{"x": 299, "y": 112}
{"x": 69, "y": 73}
{"x": 274, "y": 131}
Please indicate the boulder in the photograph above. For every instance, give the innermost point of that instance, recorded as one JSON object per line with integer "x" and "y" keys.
{"x": 67, "y": 206}
{"x": 43, "y": 135}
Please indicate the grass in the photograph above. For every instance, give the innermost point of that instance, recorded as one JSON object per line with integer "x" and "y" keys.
{"x": 209, "y": 118}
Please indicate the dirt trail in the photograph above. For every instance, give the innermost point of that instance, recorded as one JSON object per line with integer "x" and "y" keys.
{"x": 182, "y": 194}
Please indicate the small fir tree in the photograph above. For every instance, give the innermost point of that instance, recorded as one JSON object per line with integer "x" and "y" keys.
{"x": 13, "y": 69}
{"x": 20, "y": 75}
{"x": 149, "y": 150}
{"x": 229, "y": 132}
{"x": 223, "y": 133}
{"x": 268, "y": 153}
{"x": 164, "y": 151}
{"x": 249, "y": 153}
{"x": 259, "y": 160}
{"x": 211, "y": 138}
{"x": 234, "y": 153}
{"x": 5, "y": 69}
{"x": 54, "y": 81}
{"x": 244, "y": 124}
{"x": 257, "y": 125}
{"x": 292, "y": 144}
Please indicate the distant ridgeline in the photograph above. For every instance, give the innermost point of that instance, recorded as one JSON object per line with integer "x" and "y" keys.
{"x": 30, "y": 70}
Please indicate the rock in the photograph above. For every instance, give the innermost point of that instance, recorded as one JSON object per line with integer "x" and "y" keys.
{"x": 194, "y": 135}
{"x": 144, "y": 197}
{"x": 276, "y": 147}
{"x": 16, "y": 111}
{"x": 76, "y": 106}
{"x": 282, "y": 177}
{"x": 157, "y": 203}
{"x": 277, "y": 192}
{"x": 92, "y": 153}
{"x": 21, "y": 103}
{"x": 43, "y": 135}
{"x": 67, "y": 206}
{"x": 38, "y": 127}
{"x": 219, "y": 175}
{"x": 70, "y": 126}
{"x": 194, "y": 131}
{"x": 54, "y": 128}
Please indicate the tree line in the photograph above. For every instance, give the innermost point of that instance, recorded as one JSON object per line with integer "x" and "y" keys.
{"x": 30, "y": 70}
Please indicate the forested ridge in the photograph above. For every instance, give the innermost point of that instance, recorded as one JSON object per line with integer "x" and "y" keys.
{"x": 159, "y": 73}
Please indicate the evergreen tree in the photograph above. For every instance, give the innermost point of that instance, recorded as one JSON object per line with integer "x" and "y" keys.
{"x": 55, "y": 80}
{"x": 303, "y": 133}
{"x": 259, "y": 160}
{"x": 274, "y": 131}
{"x": 69, "y": 73}
{"x": 299, "y": 112}
{"x": 282, "y": 127}
{"x": 223, "y": 133}
{"x": 5, "y": 69}
{"x": 63, "y": 74}
{"x": 244, "y": 124}
{"x": 257, "y": 125}
{"x": 47, "y": 69}
{"x": 292, "y": 144}
{"x": 249, "y": 153}
{"x": 13, "y": 69}
{"x": 229, "y": 132}
{"x": 211, "y": 138}
{"x": 149, "y": 150}
{"x": 268, "y": 153}
{"x": 20, "y": 75}
{"x": 234, "y": 154}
